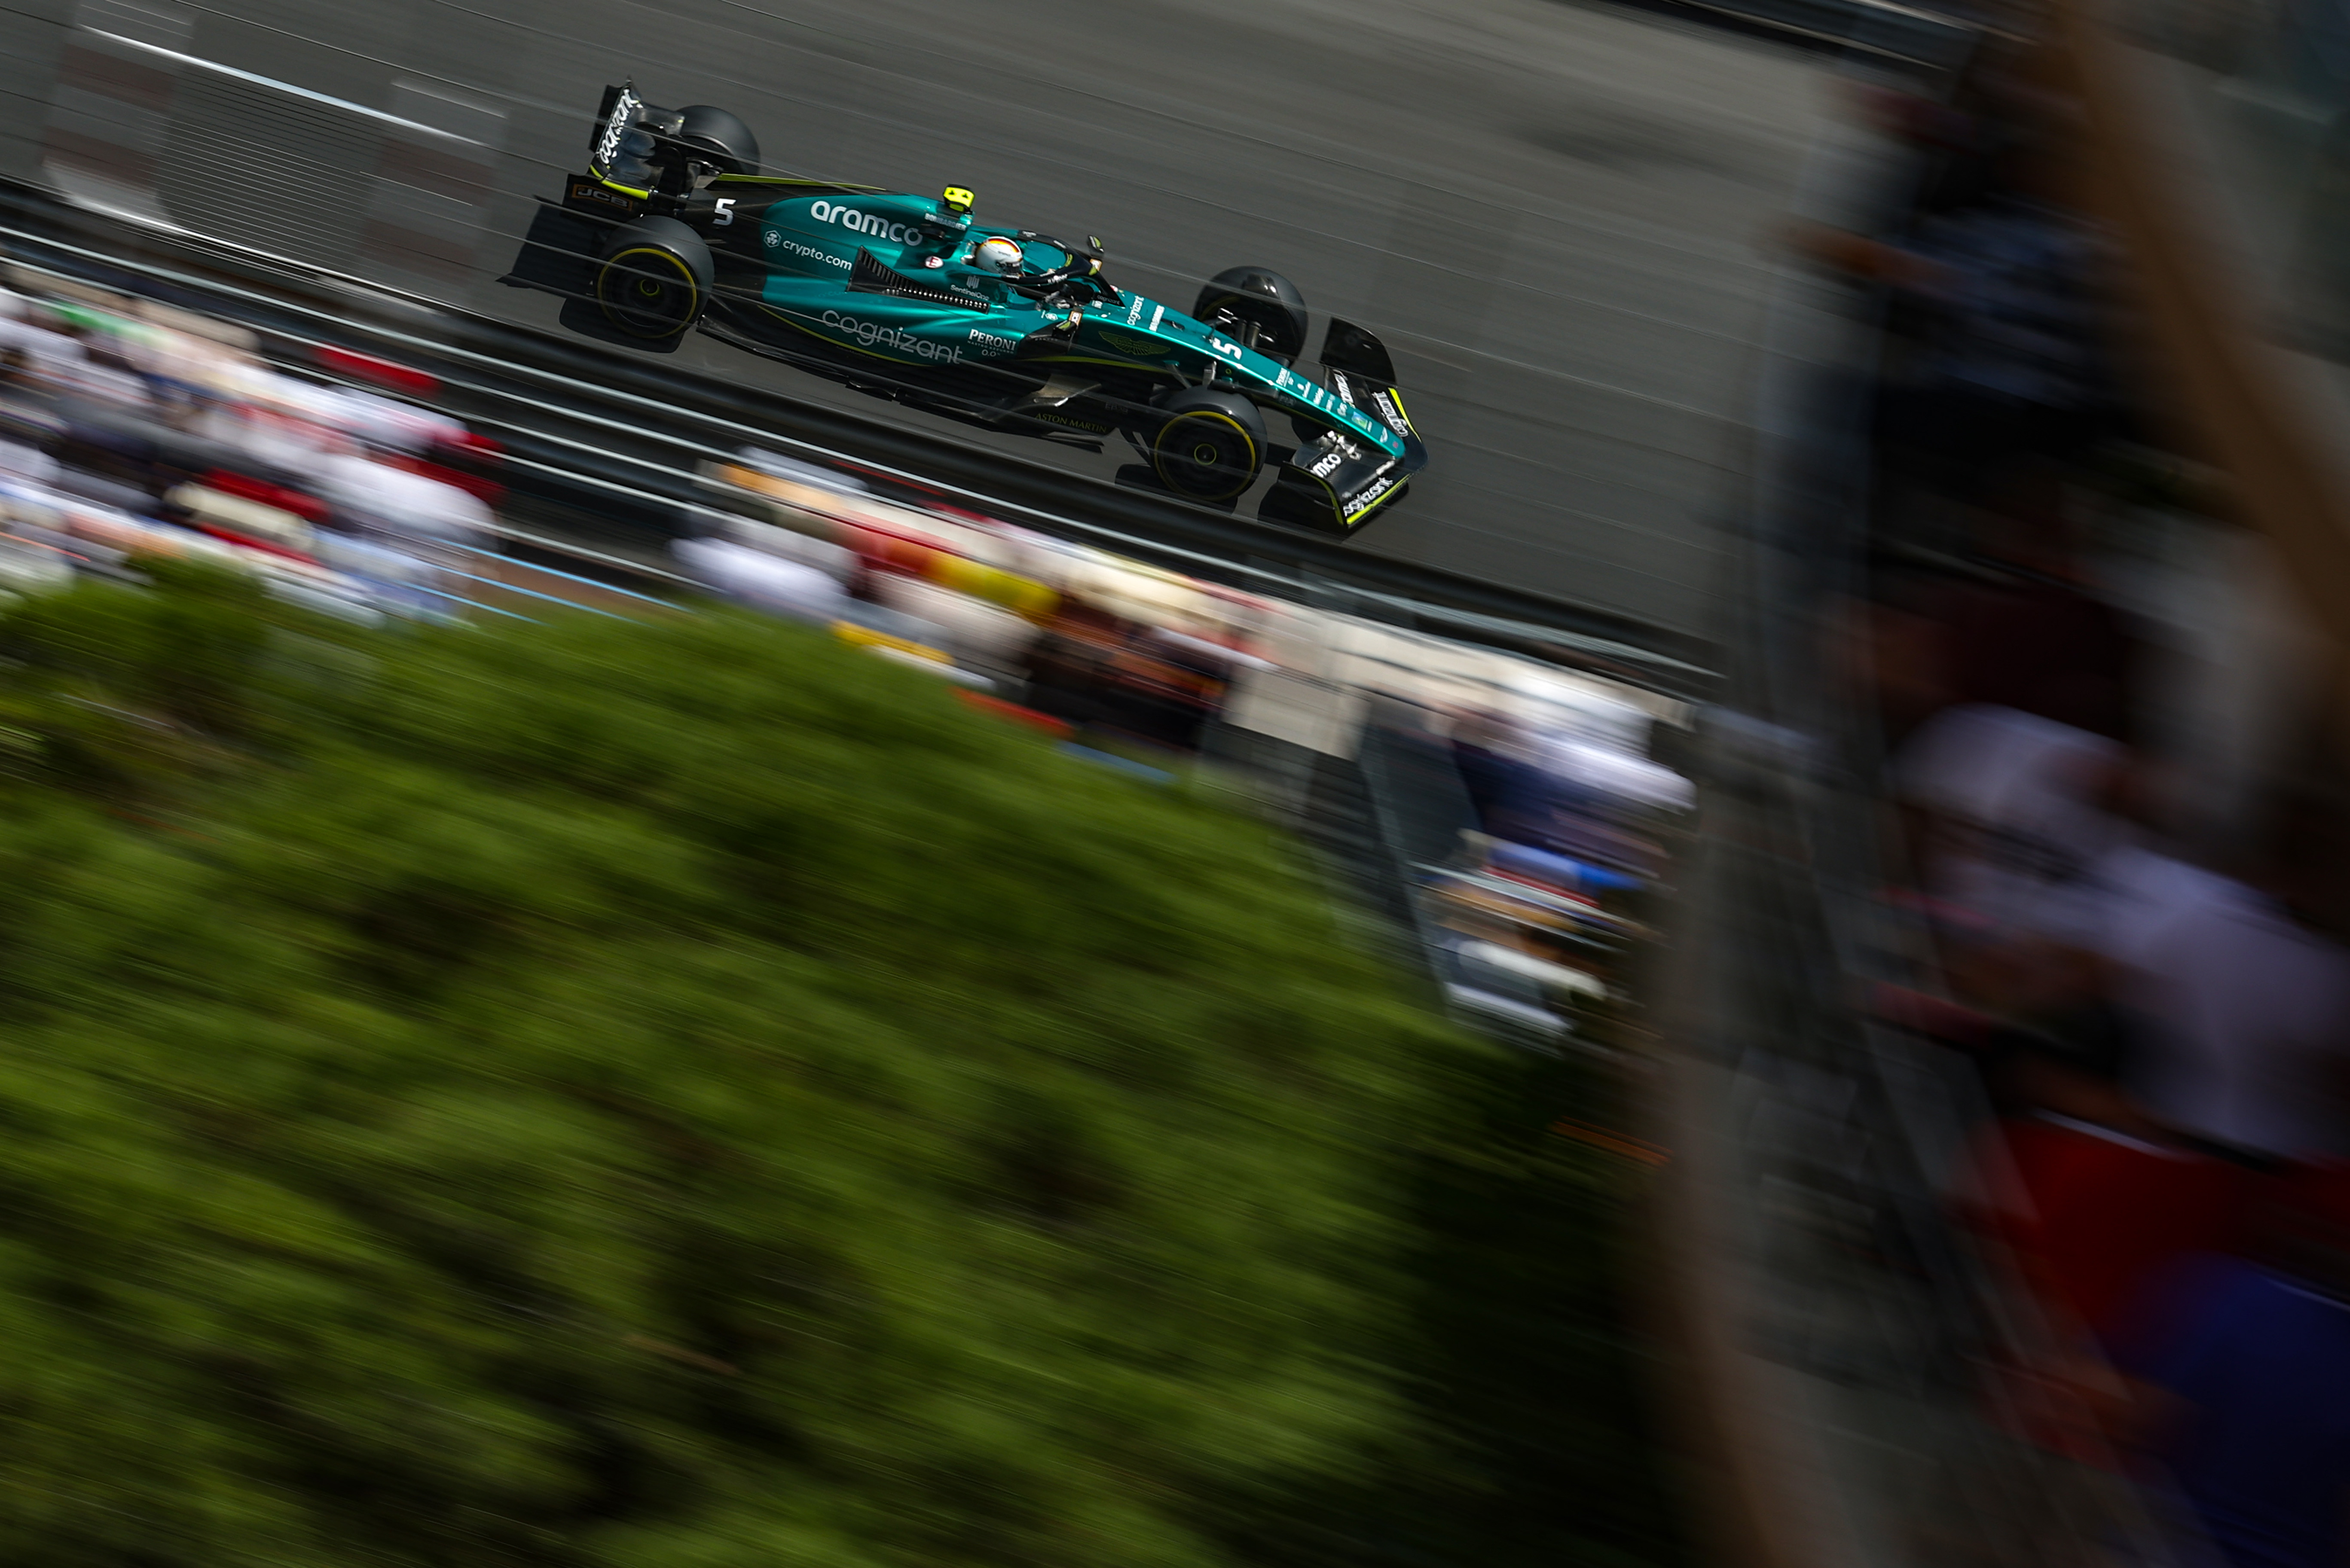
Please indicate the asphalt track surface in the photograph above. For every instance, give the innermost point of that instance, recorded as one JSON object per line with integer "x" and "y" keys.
{"x": 1556, "y": 216}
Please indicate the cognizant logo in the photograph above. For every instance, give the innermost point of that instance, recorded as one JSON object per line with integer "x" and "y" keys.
{"x": 871, "y": 334}
{"x": 865, "y": 223}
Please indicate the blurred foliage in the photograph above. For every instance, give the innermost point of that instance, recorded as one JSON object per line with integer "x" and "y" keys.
{"x": 1528, "y": 1441}
{"x": 686, "y": 1095}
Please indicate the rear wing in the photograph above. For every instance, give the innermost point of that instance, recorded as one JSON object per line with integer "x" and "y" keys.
{"x": 625, "y": 148}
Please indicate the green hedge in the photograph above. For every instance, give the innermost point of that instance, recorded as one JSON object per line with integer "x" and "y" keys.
{"x": 679, "y": 1095}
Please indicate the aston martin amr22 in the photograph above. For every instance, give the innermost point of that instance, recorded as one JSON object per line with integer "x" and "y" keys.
{"x": 673, "y": 229}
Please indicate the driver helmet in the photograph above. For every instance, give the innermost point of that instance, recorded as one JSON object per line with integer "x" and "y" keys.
{"x": 998, "y": 255}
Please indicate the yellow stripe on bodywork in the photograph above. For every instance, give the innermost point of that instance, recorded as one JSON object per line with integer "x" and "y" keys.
{"x": 1387, "y": 495}
{"x": 1349, "y": 519}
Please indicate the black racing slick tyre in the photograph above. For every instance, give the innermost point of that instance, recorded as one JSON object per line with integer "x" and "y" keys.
{"x": 731, "y": 147}
{"x": 1264, "y": 298}
{"x": 655, "y": 279}
{"x": 1211, "y": 445}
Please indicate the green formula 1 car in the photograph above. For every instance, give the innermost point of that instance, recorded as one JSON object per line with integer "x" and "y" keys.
{"x": 672, "y": 230}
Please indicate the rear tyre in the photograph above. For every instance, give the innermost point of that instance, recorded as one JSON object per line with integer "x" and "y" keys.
{"x": 1263, "y": 298}
{"x": 655, "y": 279}
{"x": 1211, "y": 445}
{"x": 731, "y": 147}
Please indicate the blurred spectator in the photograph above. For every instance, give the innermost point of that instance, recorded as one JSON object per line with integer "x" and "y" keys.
{"x": 2155, "y": 1036}
{"x": 1095, "y": 669}
{"x": 133, "y": 428}
{"x": 980, "y": 634}
{"x": 393, "y": 505}
{"x": 2140, "y": 890}
{"x": 2033, "y": 637}
{"x": 1595, "y": 770}
{"x": 1563, "y": 790}
{"x": 2240, "y": 1012}
{"x": 2010, "y": 818}
{"x": 2091, "y": 1196}
{"x": 1503, "y": 790}
{"x": 763, "y": 580}
{"x": 2009, "y": 361}
{"x": 2247, "y": 1367}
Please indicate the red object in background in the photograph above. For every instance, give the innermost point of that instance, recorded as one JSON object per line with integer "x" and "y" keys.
{"x": 490, "y": 492}
{"x": 2097, "y": 1215}
{"x": 2090, "y": 1220}
{"x": 965, "y": 516}
{"x": 479, "y": 448}
{"x": 2318, "y": 1191}
{"x": 894, "y": 552}
{"x": 382, "y": 372}
{"x": 308, "y": 508}
{"x": 1017, "y": 714}
{"x": 1552, "y": 888}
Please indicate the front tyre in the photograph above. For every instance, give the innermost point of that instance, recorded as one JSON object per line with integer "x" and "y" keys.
{"x": 1211, "y": 445}
{"x": 1256, "y": 297}
{"x": 655, "y": 278}
{"x": 724, "y": 142}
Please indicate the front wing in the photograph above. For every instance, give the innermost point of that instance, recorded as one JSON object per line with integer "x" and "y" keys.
{"x": 1355, "y": 475}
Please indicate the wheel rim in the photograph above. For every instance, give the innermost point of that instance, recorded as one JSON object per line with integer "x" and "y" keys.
{"x": 648, "y": 293}
{"x": 1205, "y": 455}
